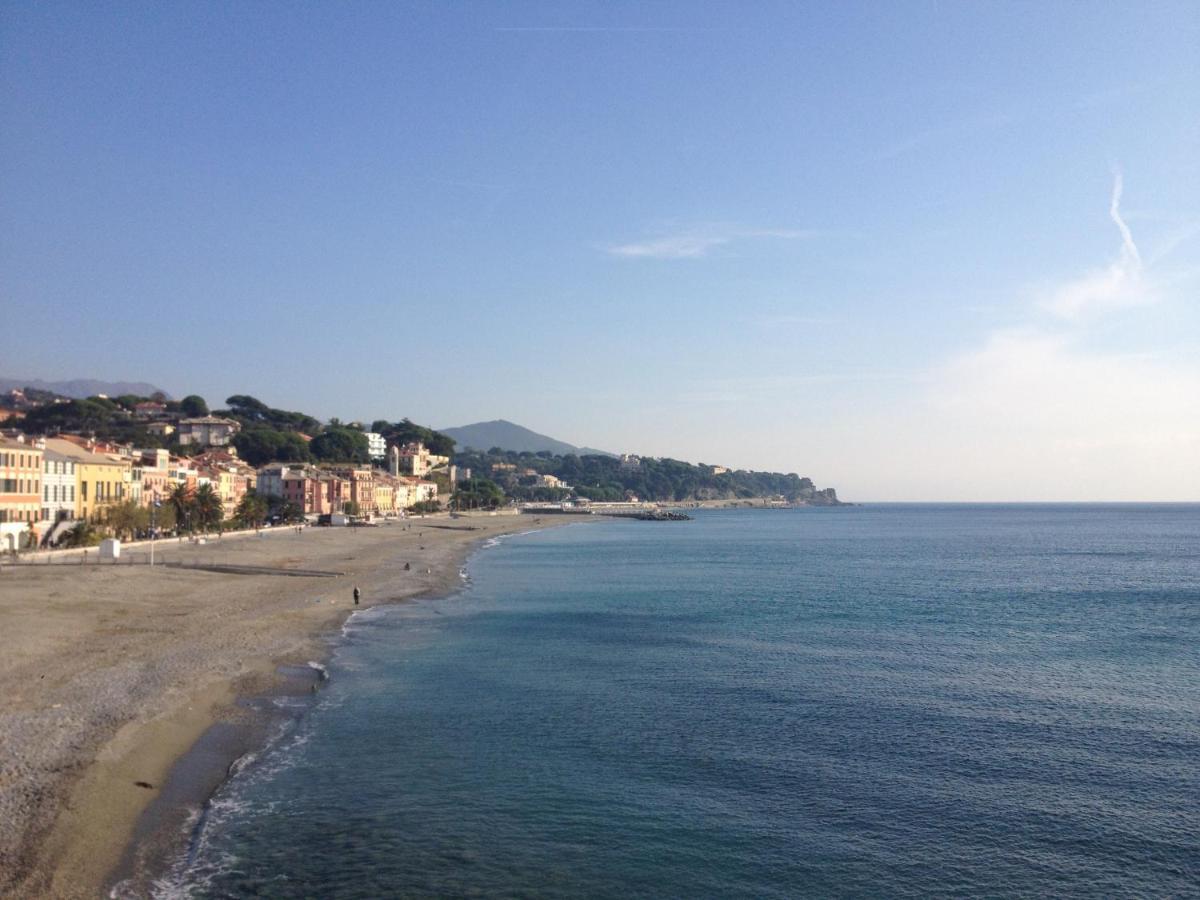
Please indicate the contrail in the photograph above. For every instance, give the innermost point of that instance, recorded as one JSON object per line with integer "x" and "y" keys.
{"x": 1114, "y": 211}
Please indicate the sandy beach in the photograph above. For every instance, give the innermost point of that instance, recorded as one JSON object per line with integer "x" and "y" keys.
{"x": 112, "y": 672}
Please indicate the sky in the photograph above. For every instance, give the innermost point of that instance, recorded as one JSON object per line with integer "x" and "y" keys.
{"x": 915, "y": 251}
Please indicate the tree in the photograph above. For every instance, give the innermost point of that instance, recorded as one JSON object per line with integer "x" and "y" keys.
{"x": 127, "y": 519}
{"x": 193, "y": 405}
{"x": 289, "y": 512}
{"x": 163, "y": 517}
{"x": 181, "y": 501}
{"x": 407, "y": 432}
{"x": 207, "y": 507}
{"x": 478, "y": 493}
{"x": 252, "y": 411}
{"x": 259, "y": 445}
{"x": 339, "y": 444}
{"x": 84, "y": 534}
{"x": 252, "y": 510}
{"x": 350, "y": 508}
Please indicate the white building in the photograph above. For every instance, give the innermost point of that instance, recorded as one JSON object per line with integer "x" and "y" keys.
{"x": 419, "y": 491}
{"x": 58, "y": 486}
{"x": 269, "y": 481}
{"x": 376, "y": 445}
{"x": 207, "y": 431}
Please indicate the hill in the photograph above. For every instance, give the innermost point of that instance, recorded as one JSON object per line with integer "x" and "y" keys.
{"x": 523, "y": 476}
{"x": 510, "y": 436}
{"x": 82, "y": 388}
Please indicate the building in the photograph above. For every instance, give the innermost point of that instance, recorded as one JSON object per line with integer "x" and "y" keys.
{"x": 549, "y": 481}
{"x": 161, "y": 429}
{"x": 630, "y": 461}
{"x": 153, "y": 472}
{"x": 307, "y": 490}
{"x": 207, "y": 431}
{"x": 419, "y": 491}
{"x": 20, "y": 493}
{"x": 269, "y": 482}
{"x": 360, "y": 482}
{"x": 181, "y": 473}
{"x": 416, "y": 461}
{"x": 101, "y": 479}
{"x": 385, "y": 494}
{"x": 148, "y": 409}
{"x": 376, "y": 445}
{"x": 58, "y": 486}
{"x": 229, "y": 476}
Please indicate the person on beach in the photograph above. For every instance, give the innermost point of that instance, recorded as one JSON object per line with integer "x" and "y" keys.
{"x": 356, "y": 595}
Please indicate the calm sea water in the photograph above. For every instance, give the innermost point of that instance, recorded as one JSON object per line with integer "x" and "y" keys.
{"x": 894, "y": 701}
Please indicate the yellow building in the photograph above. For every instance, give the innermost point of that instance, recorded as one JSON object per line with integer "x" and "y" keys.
{"x": 101, "y": 480}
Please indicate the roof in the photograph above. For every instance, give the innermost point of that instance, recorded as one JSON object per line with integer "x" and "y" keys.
{"x": 12, "y": 444}
{"x": 81, "y": 454}
{"x": 209, "y": 420}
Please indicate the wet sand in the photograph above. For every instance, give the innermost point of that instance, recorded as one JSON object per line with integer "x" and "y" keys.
{"x": 111, "y": 673}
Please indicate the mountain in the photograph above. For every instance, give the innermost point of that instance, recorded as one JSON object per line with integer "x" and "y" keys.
{"x": 509, "y": 436}
{"x": 80, "y": 388}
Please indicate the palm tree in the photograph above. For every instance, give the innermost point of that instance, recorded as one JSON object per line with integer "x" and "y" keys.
{"x": 82, "y": 534}
{"x": 181, "y": 501}
{"x": 252, "y": 510}
{"x": 208, "y": 506}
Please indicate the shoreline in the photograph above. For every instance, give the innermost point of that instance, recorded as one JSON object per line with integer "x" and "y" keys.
{"x": 78, "y": 777}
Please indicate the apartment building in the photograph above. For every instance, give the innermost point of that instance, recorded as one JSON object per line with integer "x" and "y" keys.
{"x": 20, "y": 493}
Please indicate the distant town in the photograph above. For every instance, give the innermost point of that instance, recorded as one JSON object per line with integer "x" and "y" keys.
{"x": 75, "y": 471}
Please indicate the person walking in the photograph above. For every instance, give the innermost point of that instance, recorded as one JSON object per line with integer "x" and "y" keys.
{"x": 356, "y": 595}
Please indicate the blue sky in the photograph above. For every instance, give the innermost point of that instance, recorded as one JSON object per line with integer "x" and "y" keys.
{"x": 875, "y": 244}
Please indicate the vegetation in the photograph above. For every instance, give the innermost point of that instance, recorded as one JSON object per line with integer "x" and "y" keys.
{"x": 667, "y": 480}
{"x": 84, "y": 534}
{"x": 251, "y": 411}
{"x": 339, "y": 443}
{"x": 195, "y": 510}
{"x": 193, "y": 405}
{"x": 206, "y": 507}
{"x": 252, "y": 511}
{"x": 478, "y": 493}
{"x": 260, "y": 445}
{"x": 126, "y": 520}
{"x": 107, "y": 419}
{"x": 406, "y": 432}
{"x": 285, "y": 510}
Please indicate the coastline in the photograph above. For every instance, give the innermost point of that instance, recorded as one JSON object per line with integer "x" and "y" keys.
{"x": 123, "y": 676}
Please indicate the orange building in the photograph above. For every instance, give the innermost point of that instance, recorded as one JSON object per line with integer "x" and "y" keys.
{"x": 20, "y": 493}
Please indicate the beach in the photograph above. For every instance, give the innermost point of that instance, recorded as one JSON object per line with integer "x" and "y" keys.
{"x": 113, "y": 671}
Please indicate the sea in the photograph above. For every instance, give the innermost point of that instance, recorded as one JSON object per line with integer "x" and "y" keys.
{"x": 866, "y": 701}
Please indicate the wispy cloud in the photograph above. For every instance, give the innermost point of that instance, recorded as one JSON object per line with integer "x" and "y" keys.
{"x": 1032, "y": 405}
{"x": 697, "y": 243}
{"x": 1120, "y": 284}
